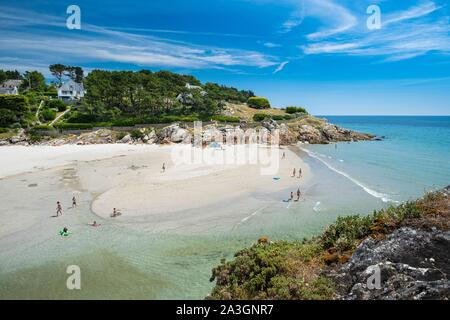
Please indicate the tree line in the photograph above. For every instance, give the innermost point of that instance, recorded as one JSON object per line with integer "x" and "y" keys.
{"x": 115, "y": 94}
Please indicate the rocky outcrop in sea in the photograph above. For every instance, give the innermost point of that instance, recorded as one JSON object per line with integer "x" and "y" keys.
{"x": 289, "y": 133}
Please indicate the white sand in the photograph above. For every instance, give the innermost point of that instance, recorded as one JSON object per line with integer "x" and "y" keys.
{"x": 129, "y": 177}
{"x": 20, "y": 159}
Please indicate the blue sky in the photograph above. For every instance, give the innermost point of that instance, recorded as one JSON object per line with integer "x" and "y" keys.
{"x": 313, "y": 53}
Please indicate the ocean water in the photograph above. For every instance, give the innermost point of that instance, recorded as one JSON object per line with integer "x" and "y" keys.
{"x": 132, "y": 262}
{"x": 413, "y": 158}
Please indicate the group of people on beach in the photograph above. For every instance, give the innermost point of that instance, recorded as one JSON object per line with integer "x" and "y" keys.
{"x": 59, "y": 212}
{"x": 294, "y": 174}
{"x": 59, "y": 209}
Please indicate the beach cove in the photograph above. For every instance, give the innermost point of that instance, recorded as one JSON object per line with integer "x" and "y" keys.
{"x": 168, "y": 250}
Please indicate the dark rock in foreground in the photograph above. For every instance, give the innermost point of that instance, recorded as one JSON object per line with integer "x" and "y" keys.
{"x": 413, "y": 264}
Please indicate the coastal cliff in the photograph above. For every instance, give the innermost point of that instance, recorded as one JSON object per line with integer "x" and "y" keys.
{"x": 408, "y": 246}
{"x": 305, "y": 129}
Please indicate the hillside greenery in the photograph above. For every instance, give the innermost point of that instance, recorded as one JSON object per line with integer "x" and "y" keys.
{"x": 258, "y": 103}
{"x": 14, "y": 110}
{"x": 292, "y": 110}
{"x": 116, "y": 95}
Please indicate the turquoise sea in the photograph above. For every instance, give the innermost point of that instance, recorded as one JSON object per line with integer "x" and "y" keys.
{"x": 413, "y": 158}
{"x": 135, "y": 263}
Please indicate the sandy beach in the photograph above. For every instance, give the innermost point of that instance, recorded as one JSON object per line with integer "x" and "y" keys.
{"x": 130, "y": 178}
{"x": 166, "y": 216}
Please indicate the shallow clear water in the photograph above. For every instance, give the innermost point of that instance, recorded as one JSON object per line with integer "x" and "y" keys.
{"x": 132, "y": 261}
{"x": 414, "y": 156}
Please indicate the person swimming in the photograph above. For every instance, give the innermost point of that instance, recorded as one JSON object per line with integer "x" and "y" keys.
{"x": 115, "y": 213}
{"x": 95, "y": 224}
{"x": 64, "y": 232}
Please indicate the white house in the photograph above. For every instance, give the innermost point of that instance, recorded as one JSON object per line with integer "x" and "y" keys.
{"x": 71, "y": 91}
{"x": 10, "y": 87}
{"x": 191, "y": 87}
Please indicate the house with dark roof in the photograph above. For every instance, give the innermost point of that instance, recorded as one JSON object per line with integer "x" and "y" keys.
{"x": 10, "y": 87}
{"x": 71, "y": 91}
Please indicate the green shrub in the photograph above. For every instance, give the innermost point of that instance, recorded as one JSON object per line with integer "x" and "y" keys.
{"x": 124, "y": 123}
{"x": 48, "y": 114}
{"x": 74, "y": 126}
{"x": 226, "y": 119}
{"x": 258, "y": 117}
{"x": 56, "y": 104}
{"x": 13, "y": 109}
{"x": 281, "y": 117}
{"x": 137, "y": 134}
{"x": 293, "y": 110}
{"x": 79, "y": 117}
{"x": 258, "y": 103}
{"x": 345, "y": 231}
{"x": 50, "y": 93}
{"x": 43, "y": 127}
{"x": 7, "y": 117}
{"x": 3, "y": 130}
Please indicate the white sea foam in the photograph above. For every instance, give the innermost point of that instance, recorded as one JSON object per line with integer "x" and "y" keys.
{"x": 376, "y": 194}
{"x": 251, "y": 215}
{"x": 316, "y": 206}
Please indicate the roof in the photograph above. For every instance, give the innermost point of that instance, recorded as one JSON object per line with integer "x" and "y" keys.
{"x": 72, "y": 86}
{"x": 11, "y": 83}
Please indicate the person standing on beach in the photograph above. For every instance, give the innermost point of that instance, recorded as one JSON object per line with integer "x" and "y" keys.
{"x": 164, "y": 167}
{"x": 292, "y": 196}
{"x": 293, "y": 173}
{"x": 298, "y": 194}
{"x": 300, "y": 172}
{"x": 58, "y": 209}
{"x": 74, "y": 202}
{"x": 284, "y": 155}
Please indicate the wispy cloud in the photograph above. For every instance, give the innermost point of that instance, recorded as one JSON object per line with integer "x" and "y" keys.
{"x": 44, "y": 38}
{"x": 336, "y": 17}
{"x": 418, "y": 11}
{"x": 271, "y": 45}
{"x": 404, "y": 35}
{"x": 281, "y": 67}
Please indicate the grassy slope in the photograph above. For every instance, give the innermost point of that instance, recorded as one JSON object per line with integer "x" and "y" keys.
{"x": 295, "y": 270}
{"x": 244, "y": 112}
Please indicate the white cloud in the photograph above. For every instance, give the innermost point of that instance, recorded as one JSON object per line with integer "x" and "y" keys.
{"x": 271, "y": 45}
{"x": 412, "y": 13}
{"x": 337, "y": 18}
{"x": 281, "y": 67}
{"x": 55, "y": 43}
{"x": 404, "y": 35}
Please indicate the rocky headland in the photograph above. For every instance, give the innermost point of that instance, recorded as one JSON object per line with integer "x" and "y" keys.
{"x": 406, "y": 247}
{"x": 306, "y": 129}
